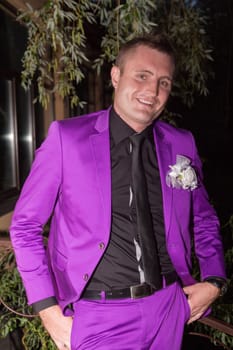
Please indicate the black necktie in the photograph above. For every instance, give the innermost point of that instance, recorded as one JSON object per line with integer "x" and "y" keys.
{"x": 146, "y": 235}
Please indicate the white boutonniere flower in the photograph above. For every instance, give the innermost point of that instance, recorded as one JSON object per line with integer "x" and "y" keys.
{"x": 182, "y": 175}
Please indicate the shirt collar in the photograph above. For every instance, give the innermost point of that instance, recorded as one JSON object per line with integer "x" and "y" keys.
{"x": 119, "y": 130}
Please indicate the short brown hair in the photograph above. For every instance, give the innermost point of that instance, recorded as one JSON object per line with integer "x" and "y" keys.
{"x": 159, "y": 42}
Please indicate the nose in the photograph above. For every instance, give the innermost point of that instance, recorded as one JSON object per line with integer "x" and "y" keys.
{"x": 153, "y": 87}
{"x": 157, "y": 88}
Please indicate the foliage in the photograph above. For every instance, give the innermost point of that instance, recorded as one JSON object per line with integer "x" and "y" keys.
{"x": 35, "y": 337}
{"x": 59, "y": 33}
{"x": 122, "y": 23}
{"x": 56, "y": 47}
{"x": 14, "y": 311}
{"x": 186, "y": 26}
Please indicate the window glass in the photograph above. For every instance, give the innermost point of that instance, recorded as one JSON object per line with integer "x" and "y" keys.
{"x": 17, "y": 113}
{"x": 8, "y": 142}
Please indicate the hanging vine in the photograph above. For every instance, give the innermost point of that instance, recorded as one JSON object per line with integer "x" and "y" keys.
{"x": 55, "y": 52}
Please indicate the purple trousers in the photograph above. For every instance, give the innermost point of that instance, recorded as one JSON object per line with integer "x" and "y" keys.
{"x": 155, "y": 322}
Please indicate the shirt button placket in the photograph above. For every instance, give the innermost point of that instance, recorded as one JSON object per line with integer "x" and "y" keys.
{"x": 130, "y": 187}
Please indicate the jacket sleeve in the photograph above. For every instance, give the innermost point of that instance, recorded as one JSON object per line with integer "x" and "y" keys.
{"x": 32, "y": 211}
{"x": 206, "y": 228}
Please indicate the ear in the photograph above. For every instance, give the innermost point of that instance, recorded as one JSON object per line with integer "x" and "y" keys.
{"x": 115, "y": 76}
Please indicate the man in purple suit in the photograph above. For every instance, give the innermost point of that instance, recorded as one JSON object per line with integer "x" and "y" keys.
{"x": 98, "y": 285}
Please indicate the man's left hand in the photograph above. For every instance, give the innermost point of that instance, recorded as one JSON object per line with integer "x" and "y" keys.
{"x": 200, "y": 297}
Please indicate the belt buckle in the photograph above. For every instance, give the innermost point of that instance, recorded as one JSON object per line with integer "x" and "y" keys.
{"x": 140, "y": 291}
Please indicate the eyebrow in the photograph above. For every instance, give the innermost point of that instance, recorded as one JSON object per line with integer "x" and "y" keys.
{"x": 149, "y": 72}
{"x": 165, "y": 77}
{"x": 144, "y": 71}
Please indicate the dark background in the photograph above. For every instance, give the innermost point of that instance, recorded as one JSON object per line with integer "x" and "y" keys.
{"x": 211, "y": 117}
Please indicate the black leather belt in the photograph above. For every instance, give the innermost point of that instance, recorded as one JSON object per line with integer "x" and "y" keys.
{"x": 133, "y": 292}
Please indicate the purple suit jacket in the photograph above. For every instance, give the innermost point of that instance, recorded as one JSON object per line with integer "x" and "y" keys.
{"x": 70, "y": 179}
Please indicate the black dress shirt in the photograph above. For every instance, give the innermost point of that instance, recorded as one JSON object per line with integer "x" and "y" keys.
{"x": 119, "y": 266}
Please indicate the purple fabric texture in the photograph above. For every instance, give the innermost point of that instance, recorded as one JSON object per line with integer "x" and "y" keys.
{"x": 151, "y": 323}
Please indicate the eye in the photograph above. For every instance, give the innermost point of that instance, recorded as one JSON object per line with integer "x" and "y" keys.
{"x": 165, "y": 83}
{"x": 141, "y": 76}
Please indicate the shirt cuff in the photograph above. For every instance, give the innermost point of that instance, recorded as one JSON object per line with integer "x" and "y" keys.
{"x": 44, "y": 304}
{"x": 215, "y": 277}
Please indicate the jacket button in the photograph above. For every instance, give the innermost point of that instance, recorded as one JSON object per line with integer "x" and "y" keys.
{"x": 85, "y": 277}
{"x": 102, "y": 245}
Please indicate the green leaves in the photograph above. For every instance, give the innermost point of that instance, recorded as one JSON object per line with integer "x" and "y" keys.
{"x": 56, "y": 47}
{"x": 121, "y": 23}
{"x": 15, "y": 313}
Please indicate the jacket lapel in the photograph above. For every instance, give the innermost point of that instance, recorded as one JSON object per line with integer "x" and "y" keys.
{"x": 100, "y": 145}
{"x": 164, "y": 156}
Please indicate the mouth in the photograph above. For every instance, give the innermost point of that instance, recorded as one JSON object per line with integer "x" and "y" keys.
{"x": 145, "y": 102}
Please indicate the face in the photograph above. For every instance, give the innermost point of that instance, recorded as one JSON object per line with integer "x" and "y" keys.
{"x": 142, "y": 86}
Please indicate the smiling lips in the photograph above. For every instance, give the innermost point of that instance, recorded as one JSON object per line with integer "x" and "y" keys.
{"x": 146, "y": 101}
